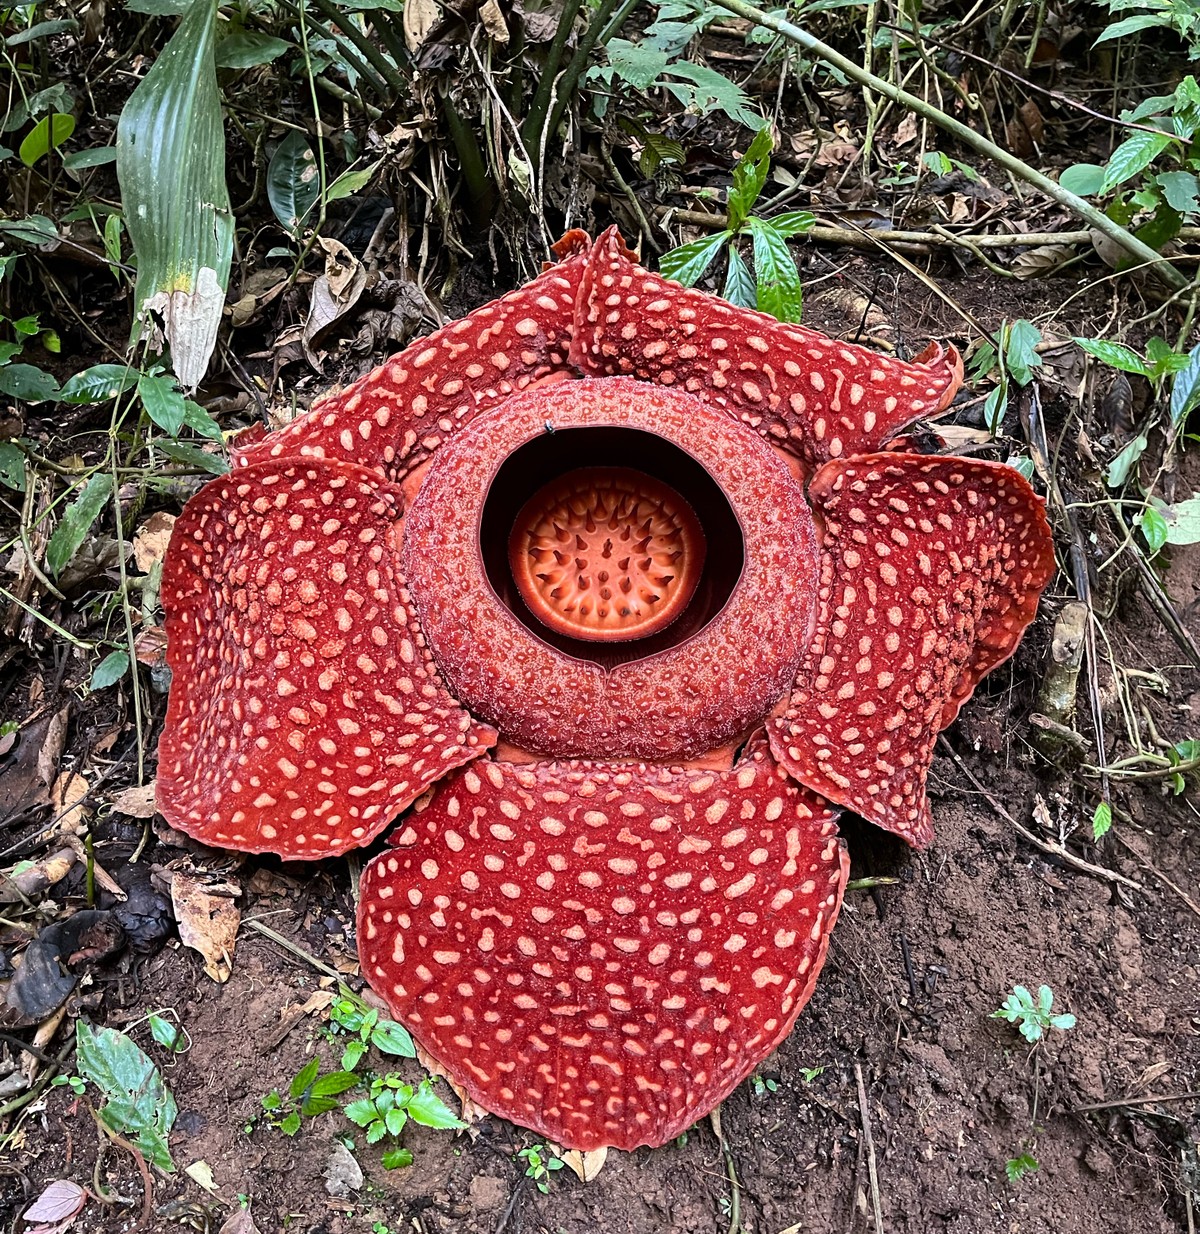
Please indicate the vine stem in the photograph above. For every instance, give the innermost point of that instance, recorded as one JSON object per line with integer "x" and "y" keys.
{"x": 1095, "y": 218}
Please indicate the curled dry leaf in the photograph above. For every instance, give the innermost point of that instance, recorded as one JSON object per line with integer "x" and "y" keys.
{"x": 136, "y": 802}
{"x": 1044, "y": 259}
{"x": 239, "y": 1222}
{"x": 420, "y": 16}
{"x": 208, "y": 921}
{"x": 586, "y": 1165}
{"x": 493, "y": 22}
{"x": 151, "y": 539}
{"x": 200, "y": 1172}
{"x": 334, "y": 293}
{"x": 67, "y": 796}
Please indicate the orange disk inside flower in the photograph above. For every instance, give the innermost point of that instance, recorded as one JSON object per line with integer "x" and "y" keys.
{"x": 606, "y": 554}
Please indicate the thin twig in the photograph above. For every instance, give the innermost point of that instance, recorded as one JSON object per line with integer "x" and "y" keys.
{"x": 872, "y": 1173}
{"x": 295, "y": 949}
{"x": 1126, "y": 1101}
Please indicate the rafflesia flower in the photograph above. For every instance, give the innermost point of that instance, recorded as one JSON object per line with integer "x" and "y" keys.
{"x": 620, "y": 585}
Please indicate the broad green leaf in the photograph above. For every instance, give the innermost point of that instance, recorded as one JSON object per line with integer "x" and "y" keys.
{"x": 171, "y": 166}
{"x": 1118, "y": 470}
{"x": 709, "y": 90}
{"x": 428, "y": 1109}
{"x": 1083, "y": 179}
{"x": 97, "y": 384}
{"x": 636, "y": 66}
{"x": 388, "y": 1037}
{"x": 396, "y": 1158}
{"x": 937, "y": 162}
{"x": 1164, "y": 357}
{"x": 352, "y": 1055}
{"x": 12, "y": 466}
{"x": 42, "y": 30}
{"x": 272, "y": 1101}
{"x": 1131, "y": 25}
{"x": 163, "y": 402}
{"x": 1163, "y": 225}
{"x": 49, "y": 133}
{"x": 191, "y": 456}
{"x": 793, "y": 222}
{"x": 108, "y": 672}
{"x": 688, "y": 262}
{"x": 77, "y": 521}
{"x": 54, "y": 98}
{"x": 303, "y": 1078}
{"x": 1020, "y": 358}
{"x": 1181, "y": 522}
{"x": 293, "y": 182}
{"x": 27, "y": 382}
{"x": 9, "y": 350}
{"x": 333, "y": 1083}
{"x": 1154, "y": 529}
{"x": 158, "y": 8}
{"x": 1185, "y": 389}
{"x": 1181, "y": 189}
{"x": 97, "y": 156}
{"x": 350, "y": 182}
{"x": 138, "y": 1103}
{"x": 167, "y": 1034}
{"x": 394, "y": 1120}
{"x": 245, "y": 49}
{"x": 291, "y": 1124}
{"x": 1133, "y": 155}
{"x": 1116, "y": 355}
{"x": 779, "y": 291}
{"x": 35, "y": 229}
{"x": 995, "y": 408}
{"x": 376, "y": 1131}
{"x": 749, "y": 176}
{"x": 739, "y": 286}
{"x": 361, "y": 1112}
{"x": 1101, "y": 821}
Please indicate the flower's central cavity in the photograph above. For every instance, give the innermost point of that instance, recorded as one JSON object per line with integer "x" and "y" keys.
{"x": 606, "y": 554}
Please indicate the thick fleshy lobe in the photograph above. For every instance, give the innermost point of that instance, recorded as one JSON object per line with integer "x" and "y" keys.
{"x": 931, "y": 569}
{"x": 804, "y": 391}
{"x": 305, "y": 712}
{"x": 603, "y": 952}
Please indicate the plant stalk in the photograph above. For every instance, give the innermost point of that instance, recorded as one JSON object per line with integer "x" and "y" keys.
{"x": 1095, "y": 218}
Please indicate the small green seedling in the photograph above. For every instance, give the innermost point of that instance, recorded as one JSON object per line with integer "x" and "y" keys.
{"x": 763, "y": 1085}
{"x": 1017, "y": 1167}
{"x": 811, "y": 1073}
{"x": 352, "y": 1015}
{"x": 388, "y": 1106}
{"x": 309, "y": 1094}
{"x": 77, "y": 1083}
{"x": 1032, "y": 1017}
{"x": 540, "y": 1163}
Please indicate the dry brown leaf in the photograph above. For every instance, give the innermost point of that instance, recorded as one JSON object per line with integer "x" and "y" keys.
{"x": 239, "y": 1222}
{"x": 60, "y": 1201}
{"x": 493, "y": 22}
{"x": 208, "y": 921}
{"x": 586, "y": 1165}
{"x": 200, "y": 1172}
{"x": 906, "y": 130}
{"x": 136, "y": 802}
{"x": 151, "y": 539}
{"x": 52, "y": 747}
{"x": 34, "y": 880}
{"x": 420, "y": 16}
{"x": 1044, "y": 259}
{"x": 67, "y": 797}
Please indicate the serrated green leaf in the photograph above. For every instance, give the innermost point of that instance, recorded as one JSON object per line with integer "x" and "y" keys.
{"x": 394, "y": 1120}
{"x": 303, "y": 1079}
{"x": 27, "y": 382}
{"x": 291, "y": 1124}
{"x": 312, "y": 1105}
{"x": 49, "y": 133}
{"x": 1116, "y": 355}
{"x": 376, "y": 1131}
{"x": 108, "y": 672}
{"x": 778, "y": 280}
{"x": 77, "y": 521}
{"x": 739, "y": 286}
{"x": 1133, "y": 155}
{"x": 636, "y": 65}
{"x": 97, "y": 384}
{"x": 361, "y": 1112}
{"x": 428, "y": 1109}
{"x": 272, "y": 1101}
{"x": 687, "y": 263}
{"x": 139, "y": 1104}
{"x": 293, "y": 182}
{"x": 396, "y": 1158}
{"x": 709, "y": 90}
{"x": 245, "y": 49}
{"x": 12, "y": 466}
{"x": 749, "y": 176}
{"x": 163, "y": 401}
{"x": 388, "y": 1037}
{"x": 1101, "y": 821}
{"x": 333, "y": 1083}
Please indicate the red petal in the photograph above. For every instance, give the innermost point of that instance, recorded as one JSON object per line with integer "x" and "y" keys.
{"x": 305, "y": 712}
{"x": 815, "y": 396}
{"x": 602, "y": 952}
{"x": 392, "y": 419}
{"x": 931, "y": 570}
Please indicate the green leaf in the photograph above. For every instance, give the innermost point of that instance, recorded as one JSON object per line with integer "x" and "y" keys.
{"x": 388, "y": 1037}
{"x": 333, "y": 1083}
{"x": 687, "y": 263}
{"x": 1017, "y": 1167}
{"x": 272, "y": 1101}
{"x": 171, "y": 167}
{"x": 709, "y": 90}
{"x": 54, "y": 98}
{"x": 293, "y": 182}
{"x": 1154, "y": 529}
{"x": 1181, "y": 189}
{"x": 350, "y": 182}
{"x": 1181, "y": 522}
{"x": 42, "y": 30}
{"x": 739, "y": 286}
{"x": 191, "y": 456}
{"x": 1020, "y": 358}
{"x": 1133, "y": 155}
{"x": 1185, "y": 389}
{"x": 138, "y": 1102}
{"x": 937, "y": 162}
{"x": 108, "y": 672}
{"x": 779, "y": 291}
{"x": 636, "y": 66}
{"x": 352, "y": 1055}
{"x": 313, "y": 1105}
{"x": 158, "y": 8}
{"x": 394, "y": 1120}
{"x": 428, "y": 1109}
{"x": 995, "y": 408}
{"x": 1101, "y": 821}
{"x": 303, "y": 1078}
{"x": 749, "y": 176}
{"x": 1083, "y": 179}
{"x": 96, "y": 156}
{"x": 361, "y": 1112}
{"x": 1131, "y": 25}
{"x": 97, "y": 384}
{"x": 396, "y": 1158}
{"x": 49, "y": 132}
{"x": 169, "y": 1035}
{"x": 27, "y": 382}
{"x": 1118, "y": 470}
{"x": 34, "y": 229}
{"x": 163, "y": 402}
{"x": 245, "y": 49}
{"x": 8, "y": 350}
{"x": 77, "y": 522}
{"x": 376, "y": 1131}
{"x": 291, "y": 1124}
{"x": 1116, "y": 355}
{"x": 1062, "y": 1022}
{"x": 793, "y": 222}
{"x": 12, "y": 466}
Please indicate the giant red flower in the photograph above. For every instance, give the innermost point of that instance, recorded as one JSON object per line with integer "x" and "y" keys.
{"x": 629, "y": 578}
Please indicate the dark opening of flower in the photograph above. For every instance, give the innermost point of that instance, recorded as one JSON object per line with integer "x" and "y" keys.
{"x": 652, "y": 549}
